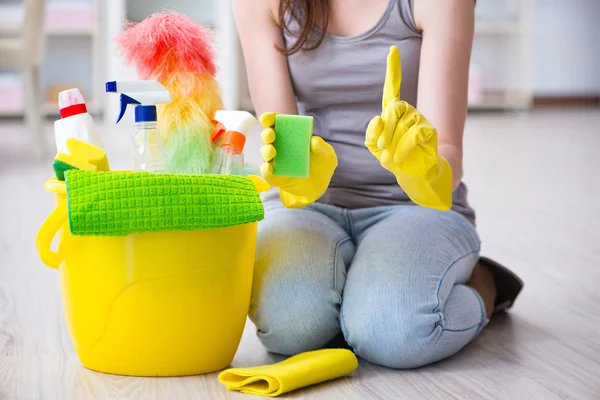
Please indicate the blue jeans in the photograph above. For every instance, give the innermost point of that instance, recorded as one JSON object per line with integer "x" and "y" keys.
{"x": 391, "y": 279}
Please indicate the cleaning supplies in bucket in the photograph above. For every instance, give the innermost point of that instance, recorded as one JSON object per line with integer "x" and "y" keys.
{"x": 171, "y": 300}
{"x": 229, "y": 155}
{"x": 170, "y": 48}
{"x": 148, "y": 151}
{"x": 78, "y": 143}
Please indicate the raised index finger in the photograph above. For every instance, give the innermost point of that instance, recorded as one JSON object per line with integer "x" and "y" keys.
{"x": 393, "y": 77}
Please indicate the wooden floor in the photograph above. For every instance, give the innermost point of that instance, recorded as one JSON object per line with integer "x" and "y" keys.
{"x": 535, "y": 182}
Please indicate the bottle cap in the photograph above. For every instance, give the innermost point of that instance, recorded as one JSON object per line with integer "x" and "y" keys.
{"x": 71, "y": 102}
{"x": 234, "y": 139}
{"x": 145, "y": 114}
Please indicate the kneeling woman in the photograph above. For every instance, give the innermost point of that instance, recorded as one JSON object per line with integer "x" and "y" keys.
{"x": 379, "y": 243}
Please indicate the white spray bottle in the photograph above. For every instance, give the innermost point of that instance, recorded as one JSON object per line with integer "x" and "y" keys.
{"x": 232, "y": 127}
{"x": 148, "y": 152}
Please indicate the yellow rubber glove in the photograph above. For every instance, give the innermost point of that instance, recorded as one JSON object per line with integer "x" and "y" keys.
{"x": 298, "y": 192}
{"x": 406, "y": 144}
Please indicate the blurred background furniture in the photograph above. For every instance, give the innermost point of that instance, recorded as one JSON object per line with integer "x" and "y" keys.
{"x": 501, "y": 62}
{"x": 534, "y": 53}
{"x": 74, "y": 56}
{"x": 23, "y": 50}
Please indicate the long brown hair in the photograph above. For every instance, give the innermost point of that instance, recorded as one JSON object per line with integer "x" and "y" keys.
{"x": 308, "y": 14}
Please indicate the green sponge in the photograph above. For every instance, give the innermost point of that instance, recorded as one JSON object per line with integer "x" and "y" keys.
{"x": 60, "y": 167}
{"x": 292, "y": 144}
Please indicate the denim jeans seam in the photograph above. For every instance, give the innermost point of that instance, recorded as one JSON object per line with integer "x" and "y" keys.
{"x": 345, "y": 331}
{"x": 350, "y": 222}
{"x": 453, "y": 263}
{"x": 335, "y": 266}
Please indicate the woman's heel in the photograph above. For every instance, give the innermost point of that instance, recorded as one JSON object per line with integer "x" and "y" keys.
{"x": 508, "y": 285}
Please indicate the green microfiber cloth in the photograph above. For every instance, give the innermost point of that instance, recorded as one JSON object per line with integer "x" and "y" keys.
{"x": 292, "y": 143}
{"x": 119, "y": 203}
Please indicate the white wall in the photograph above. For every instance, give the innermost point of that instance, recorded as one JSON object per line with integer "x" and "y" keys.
{"x": 566, "y": 47}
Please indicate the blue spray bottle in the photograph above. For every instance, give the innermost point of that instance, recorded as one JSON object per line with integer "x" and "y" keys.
{"x": 148, "y": 152}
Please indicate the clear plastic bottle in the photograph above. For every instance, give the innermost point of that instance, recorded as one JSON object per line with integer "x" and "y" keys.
{"x": 228, "y": 158}
{"x": 148, "y": 152}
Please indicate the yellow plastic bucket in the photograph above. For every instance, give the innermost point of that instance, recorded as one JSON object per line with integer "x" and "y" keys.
{"x": 152, "y": 304}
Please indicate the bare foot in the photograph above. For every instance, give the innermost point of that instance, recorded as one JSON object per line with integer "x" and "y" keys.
{"x": 482, "y": 280}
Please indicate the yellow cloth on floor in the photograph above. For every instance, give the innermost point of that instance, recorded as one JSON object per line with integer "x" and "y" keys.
{"x": 296, "y": 372}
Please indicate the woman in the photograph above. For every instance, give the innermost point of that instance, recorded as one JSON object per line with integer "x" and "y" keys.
{"x": 367, "y": 246}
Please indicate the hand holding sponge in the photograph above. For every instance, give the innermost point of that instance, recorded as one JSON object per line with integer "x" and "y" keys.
{"x": 405, "y": 144}
{"x": 299, "y": 164}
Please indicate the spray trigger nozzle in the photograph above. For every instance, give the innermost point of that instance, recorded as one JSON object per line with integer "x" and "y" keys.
{"x": 125, "y": 101}
{"x": 138, "y": 93}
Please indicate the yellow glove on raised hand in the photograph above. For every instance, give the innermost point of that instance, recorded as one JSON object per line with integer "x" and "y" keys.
{"x": 298, "y": 192}
{"x": 406, "y": 144}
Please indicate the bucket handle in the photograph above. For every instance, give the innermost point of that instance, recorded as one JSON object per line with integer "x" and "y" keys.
{"x": 46, "y": 234}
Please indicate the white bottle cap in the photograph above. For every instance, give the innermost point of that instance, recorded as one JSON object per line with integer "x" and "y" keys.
{"x": 71, "y": 102}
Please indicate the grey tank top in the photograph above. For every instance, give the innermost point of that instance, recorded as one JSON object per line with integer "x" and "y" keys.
{"x": 340, "y": 84}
